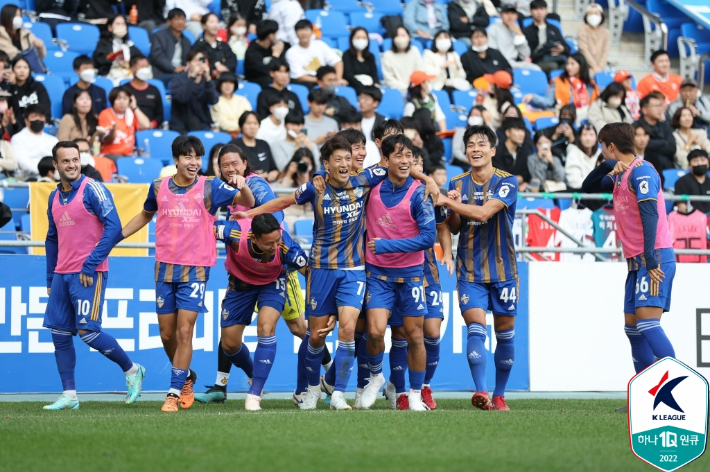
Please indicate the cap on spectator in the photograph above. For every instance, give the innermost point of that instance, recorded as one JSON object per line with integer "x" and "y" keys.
{"x": 508, "y": 7}
{"x": 594, "y": 7}
{"x": 622, "y": 75}
{"x": 418, "y": 77}
{"x": 500, "y": 78}
{"x": 687, "y": 82}
{"x": 227, "y": 77}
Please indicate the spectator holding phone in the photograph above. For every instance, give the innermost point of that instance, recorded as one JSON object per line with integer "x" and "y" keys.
{"x": 193, "y": 91}
{"x": 543, "y": 166}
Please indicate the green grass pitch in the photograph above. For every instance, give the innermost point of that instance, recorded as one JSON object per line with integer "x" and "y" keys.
{"x": 537, "y": 435}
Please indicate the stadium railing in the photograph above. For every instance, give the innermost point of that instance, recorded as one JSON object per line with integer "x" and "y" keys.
{"x": 656, "y": 30}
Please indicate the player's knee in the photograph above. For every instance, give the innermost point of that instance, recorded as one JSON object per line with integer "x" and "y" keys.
{"x": 231, "y": 345}
{"x": 266, "y": 329}
{"x": 376, "y": 337}
{"x": 414, "y": 333}
{"x": 346, "y": 332}
{"x": 184, "y": 335}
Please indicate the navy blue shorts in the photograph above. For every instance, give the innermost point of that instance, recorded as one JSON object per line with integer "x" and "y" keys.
{"x": 400, "y": 298}
{"x": 435, "y": 308}
{"x": 72, "y": 306}
{"x": 238, "y": 305}
{"x": 329, "y": 289}
{"x": 642, "y": 291}
{"x": 500, "y": 298}
{"x": 173, "y": 296}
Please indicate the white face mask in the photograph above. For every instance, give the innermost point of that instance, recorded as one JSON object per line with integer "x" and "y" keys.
{"x": 240, "y": 31}
{"x": 120, "y": 31}
{"x": 143, "y": 74}
{"x": 475, "y": 120}
{"x": 480, "y": 48}
{"x": 280, "y": 113}
{"x": 594, "y": 20}
{"x": 86, "y": 159}
{"x": 88, "y": 75}
{"x": 443, "y": 44}
{"x": 360, "y": 44}
{"x": 17, "y": 22}
{"x": 614, "y": 102}
{"x": 401, "y": 42}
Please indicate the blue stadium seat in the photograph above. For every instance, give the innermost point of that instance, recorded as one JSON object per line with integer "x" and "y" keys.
{"x": 61, "y": 64}
{"x": 240, "y": 67}
{"x": 535, "y": 203}
{"x": 371, "y": 21}
{"x": 43, "y": 31}
{"x": 573, "y": 45}
{"x": 348, "y": 93}
{"x": 80, "y": 37}
{"x": 392, "y": 104}
{"x": 546, "y": 122}
{"x": 564, "y": 203}
{"x": 55, "y": 88}
{"x": 671, "y": 176}
{"x": 333, "y": 24}
{"x": 140, "y": 39}
{"x": 216, "y": 8}
{"x": 460, "y": 47}
{"x": 388, "y": 7}
{"x": 697, "y": 33}
{"x": 448, "y": 148}
{"x": 556, "y": 73}
{"x": 343, "y": 43}
{"x": 303, "y": 228}
{"x": 451, "y": 172}
{"x": 528, "y": 21}
{"x": 250, "y": 91}
{"x": 528, "y": 125}
{"x": 160, "y": 141}
{"x": 530, "y": 81}
{"x": 301, "y": 92}
{"x": 139, "y": 170}
{"x": 17, "y": 3}
{"x": 465, "y": 99}
{"x": 330, "y": 42}
{"x": 345, "y": 6}
{"x": 209, "y": 139}
{"x": 452, "y": 117}
{"x": 26, "y": 224}
{"x": 672, "y": 16}
{"x": 604, "y": 78}
{"x": 17, "y": 199}
{"x": 517, "y": 96}
{"x": 8, "y": 233}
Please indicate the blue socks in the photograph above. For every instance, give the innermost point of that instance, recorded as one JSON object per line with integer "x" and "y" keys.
{"x": 241, "y": 359}
{"x": 342, "y": 367}
{"x": 375, "y": 363}
{"x": 263, "y": 361}
{"x": 363, "y": 369}
{"x": 651, "y": 330}
{"x": 416, "y": 379}
{"x": 177, "y": 380}
{"x": 301, "y": 372}
{"x": 330, "y": 373}
{"x": 65, "y": 356}
{"x": 641, "y": 353}
{"x": 314, "y": 356}
{"x": 477, "y": 355}
{"x": 432, "y": 357}
{"x": 108, "y": 346}
{"x": 398, "y": 364}
{"x": 504, "y": 357}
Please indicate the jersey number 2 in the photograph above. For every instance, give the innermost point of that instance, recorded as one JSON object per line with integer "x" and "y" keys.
{"x": 198, "y": 290}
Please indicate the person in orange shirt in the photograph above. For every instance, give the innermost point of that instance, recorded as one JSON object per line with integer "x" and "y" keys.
{"x": 103, "y": 165}
{"x": 660, "y": 79}
{"x": 120, "y": 122}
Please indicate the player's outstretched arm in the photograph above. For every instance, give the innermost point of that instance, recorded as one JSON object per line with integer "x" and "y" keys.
{"x": 245, "y": 197}
{"x": 271, "y": 206}
{"x": 473, "y": 212}
{"x": 138, "y": 221}
{"x": 431, "y": 187}
{"x": 228, "y": 232}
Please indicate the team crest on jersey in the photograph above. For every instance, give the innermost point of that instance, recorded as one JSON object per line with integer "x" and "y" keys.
{"x": 379, "y": 171}
{"x": 358, "y": 192}
{"x": 160, "y": 301}
{"x": 225, "y": 313}
{"x": 464, "y": 299}
{"x": 314, "y": 303}
{"x": 367, "y": 297}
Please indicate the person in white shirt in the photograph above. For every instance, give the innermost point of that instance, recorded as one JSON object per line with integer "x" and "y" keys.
{"x": 31, "y": 144}
{"x": 399, "y": 62}
{"x": 308, "y": 55}
{"x": 272, "y": 127}
{"x": 368, "y": 101}
{"x": 194, "y": 9}
{"x": 286, "y": 13}
{"x": 507, "y": 37}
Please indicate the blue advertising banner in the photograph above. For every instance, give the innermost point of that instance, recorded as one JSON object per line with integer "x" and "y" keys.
{"x": 26, "y": 352}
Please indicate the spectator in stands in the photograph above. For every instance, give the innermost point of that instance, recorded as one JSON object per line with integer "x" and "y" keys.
{"x": 481, "y": 59}
{"x": 467, "y": 15}
{"x": 399, "y": 62}
{"x": 352, "y": 120}
{"x": 337, "y": 107}
{"x": 548, "y": 46}
{"x": 13, "y": 37}
{"x": 169, "y": 48}
{"x": 582, "y": 156}
{"x": 31, "y": 144}
{"x": 514, "y": 113}
{"x": 594, "y": 40}
{"x": 84, "y": 68}
{"x": 544, "y": 167}
{"x": 563, "y": 134}
{"x": 150, "y": 13}
{"x": 103, "y": 165}
{"x": 632, "y": 97}
{"x": 318, "y": 125}
{"x": 511, "y": 156}
{"x": 698, "y": 103}
{"x": 477, "y": 116}
{"x": 298, "y": 171}
{"x": 25, "y": 92}
{"x": 433, "y": 145}
{"x": 213, "y": 170}
{"x": 695, "y": 182}
{"x": 54, "y": 12}
{"x": 260, "y": 53}
{"x": 194, "y": 10}
{"x": 660, "y": 79}
{"x": 5, "y": 70}
{"x": 687, "y": 138}
{"x": 424, "y": 17}
{"x": 610, "y": 107}
{"x": 252, "y": 11}
{"x": 411, "y": 130}
{"x": 114, "y": 50}
{"x": 87, "y": 160}
{"x": 272, "y": 127}
{"x": 81, "y": 121}
{"x": 121, "y": 121}
{"x": 309, "y": 55}
{"x": 218, "y": 54}
{"x": 8, "y": 163}
{"x": 283, "y": 150}
{"x": 444, "y": 63}
{"x": 642, "y": 135}
{"x": 440, "y": 176}
{"x": 230, "y": 107}
{"x": 573, "y": 87}
{"x": 661, "y": 145}
{"x": 45, "y": 166}
{"x": 368, "y": 100}
{"x": 237, "y": 35}
{"x": 96, "y": 11}
{"x": 148, "y": 96}
{"x": 192, "y": 91}
{"x": 359, "y": 67}
{"x": 497, "y": 97}
{"x": 420, "y": 96}
{"x": 280, "y": 78}
{"x": 257, "y": 150}
{"x": 287, "y": 14}
{"x": 507, "y": 37}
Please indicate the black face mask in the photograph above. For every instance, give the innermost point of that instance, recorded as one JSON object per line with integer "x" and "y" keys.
{"x": 700, "y": 170}
{"x": 37, "y": 125}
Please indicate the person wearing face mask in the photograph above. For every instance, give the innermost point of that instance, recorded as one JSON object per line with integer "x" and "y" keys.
{"x": 13, "y": 37}
{"x": 192, "y": 92}
{"x": 31, "y": 144}
{"x": 219, "y": 55}
{"x": 253, "y": 12}
{"x": 148, "y": 97}
{"x": 114, "y": 50}
{"x": 26, "y": 91}
{"x": 119, "y": 124}
{"x": 104, "y": 166}
{"x": 359, "y": 67}
{"x": 424, "y": 17}
{"x": 230, "y": 107}
{"x": 339, "y": 108}
{"x": 467, "y": 15}
{"x": 237, "y": 35}
{"x": 280, "y": 78}
{"x": 444, "y": 63}
{"x": 695, "y": 182}
{"x": 686, "y": 137}
{"x": 84, "y": 68}
{"x": 295, "y": 139}
{"x": 610, "y": 107}
{"x": 481, "y": 59}
{"x": 594, "y": 40}
{"x": 399, "y": 62}
{"x": 420, "y": 96}
{"x": 272, "y": 127}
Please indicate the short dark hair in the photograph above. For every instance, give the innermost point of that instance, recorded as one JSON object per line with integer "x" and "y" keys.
{"x": 353, "y": 136}
{"x": 264, "y": 224}
{"x": 113, "y": 94}
{"x": 82, "y": 60}
{"x": 182, "y": 145}
{"x": 516, "y": 123}
{"x": 277, "y": 63}
{"x": 569, "y": 108}
{"x": 4, "y": 57}
{"x": 641, "y": 124}
{"x": 176, "y": 12}
{"x": 192, "y": 53}
{"x": 391, "y": 142}
{"x": 302, "y": 24}
{"x": 63, "y": 145}
{"x": 372, "y": 91}
{"x": 621, "y": 134}
{"x": 134, "y": 59}
{"x": 317, "y": 95}
{"x": 646, "y": 100}
{"x": 675, "y": 121}
{"x": 332, "y": 144}
{"x": 436, "y": 167}
{"x": 697, "y": 153}
{"x": 45, "y": 166}
{"x": 539, "y": 135}
{"x": 265, "y": 28}
{"x": 659, "y": 53}
{"x": 245, "y": 115}
{"x": 387, "y": 125}
{"x": 537, "y": 4}
{"x": 351, "y": 116}
{"x": 275, "y": 98}
{"x": 294, "y": 117}
{"x": 323, "y": 71}
{"x": 482, "y": 130}
{"x": 478, "y": 29}
{"x": 417, "y": 152}
{"x": 34, "y": 109}
{"x": 233, "y": 148}
{"x": 81, "y": 140}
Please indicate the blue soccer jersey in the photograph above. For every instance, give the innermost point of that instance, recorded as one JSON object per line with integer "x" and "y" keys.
{"x": 431, "y": 270}
{"x": 339, "y": 226}
{"x": 486, "y": 251}
{"x": 262, "y": 192}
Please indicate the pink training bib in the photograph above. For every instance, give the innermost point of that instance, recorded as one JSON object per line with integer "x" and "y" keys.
{"x": 184, "y": 232}
{"x": 392, "y": 223}
{"x": 628, "y": 218}
{"x": 78, "y": 232}
{"x": 244, "y": 267}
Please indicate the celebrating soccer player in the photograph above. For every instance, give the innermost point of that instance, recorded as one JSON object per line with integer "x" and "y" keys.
{"x": 482, "y": 207}
{"x": 83, "y": 224}
{"x": 640, "y": 211}
{"x": 184, "y": 252}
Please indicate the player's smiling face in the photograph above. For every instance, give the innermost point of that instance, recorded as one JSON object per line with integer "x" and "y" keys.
{"x": 400, "y": 161}
{"x": 187, "y": 166}
{"x": 338, "y": 166}
{"x": 268, "y": 243}
{"x": 479, "y": 151}
{"x": 359, "y": 154}
{"x": 231, "y": 164}
{"x": 68, "y": 164}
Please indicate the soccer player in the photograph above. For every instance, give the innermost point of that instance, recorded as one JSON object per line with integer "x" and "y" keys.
{"x": 640, "y": 211}
{"x": 257, "y": 251}
{"x": 184, "y": 252}
{"x": 83, "y": 223}
{"x": 481, "y": 206}
{"x": 400, "y": 226}
{"x": 232, "y": 162}
{"x": 380, "y": 132}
